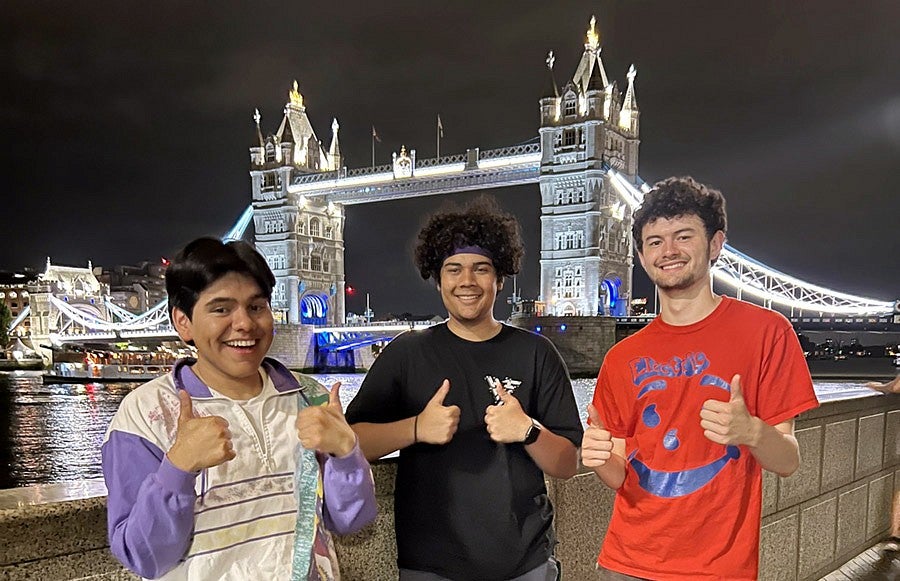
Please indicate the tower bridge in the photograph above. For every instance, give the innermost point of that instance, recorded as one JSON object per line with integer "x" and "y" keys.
{"x": 584, "y": 161}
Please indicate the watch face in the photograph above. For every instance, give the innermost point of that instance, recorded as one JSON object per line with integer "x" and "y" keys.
{"x": 532, "y": 435}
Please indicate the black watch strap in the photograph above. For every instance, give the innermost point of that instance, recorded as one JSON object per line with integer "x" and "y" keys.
{"x": 532, "y": 434}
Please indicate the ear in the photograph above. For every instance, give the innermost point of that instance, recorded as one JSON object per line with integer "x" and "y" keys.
{"x": 182, "y": 324}
{"x": 716, "y": 243}
{"x": 500, "y": 284}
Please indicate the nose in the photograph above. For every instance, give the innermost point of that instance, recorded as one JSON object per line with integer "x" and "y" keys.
{"x": 467, "y": 277}
{"x": 668, "y": 248}
{"x": 241, "y": 320}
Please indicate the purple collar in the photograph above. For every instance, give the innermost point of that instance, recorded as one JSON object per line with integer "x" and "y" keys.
{"x": 185, "y": 378}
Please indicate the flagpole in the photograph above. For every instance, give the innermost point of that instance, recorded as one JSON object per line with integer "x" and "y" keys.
{"x": 373, "y": 147}
{"x": 440, "y": 131}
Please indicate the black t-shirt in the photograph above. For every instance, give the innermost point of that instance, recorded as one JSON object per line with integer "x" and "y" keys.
{"x": 473, "y": 508}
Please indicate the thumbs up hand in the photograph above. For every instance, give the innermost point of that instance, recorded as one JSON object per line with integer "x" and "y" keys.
{"x": 596, "y": 444}
{"x": 506, "y": 421}
{"x": 323, "y": 428}
{"x": 437, "y": 423}
{"x": 729, "y": 423}
{"x": 199, "y": 442}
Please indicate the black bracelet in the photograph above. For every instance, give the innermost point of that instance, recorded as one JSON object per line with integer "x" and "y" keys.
{"x": 416, "y": 430}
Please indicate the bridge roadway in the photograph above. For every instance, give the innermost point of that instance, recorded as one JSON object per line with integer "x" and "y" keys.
{"x": 341, "y": 338}
{"x": 495, "y": 168}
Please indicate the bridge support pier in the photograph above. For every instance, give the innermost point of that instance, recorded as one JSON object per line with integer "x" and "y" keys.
{"x": 294, "y": 346}
{"x": 582, "y": 341}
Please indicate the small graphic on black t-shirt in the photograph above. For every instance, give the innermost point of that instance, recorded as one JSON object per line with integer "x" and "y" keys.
{"x": 508, "y": 384}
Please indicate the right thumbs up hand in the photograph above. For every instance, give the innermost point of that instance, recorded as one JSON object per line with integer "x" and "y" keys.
{"x": 199, "y": 442}
{"x": 596, "y": 444}
{"x": 437, "y": 423}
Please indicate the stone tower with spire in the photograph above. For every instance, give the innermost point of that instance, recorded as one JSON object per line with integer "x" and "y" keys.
{"x": 587, "y": 127}
{"x": 301, "y": 239}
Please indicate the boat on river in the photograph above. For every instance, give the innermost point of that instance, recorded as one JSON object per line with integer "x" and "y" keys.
{"x": 110, "y": 366}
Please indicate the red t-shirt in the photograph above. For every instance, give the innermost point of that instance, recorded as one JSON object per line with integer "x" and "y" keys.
{"x": 690, "y": 508}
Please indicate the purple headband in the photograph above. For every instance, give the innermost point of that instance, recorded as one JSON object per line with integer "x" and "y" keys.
{"x": 471, "y": 250}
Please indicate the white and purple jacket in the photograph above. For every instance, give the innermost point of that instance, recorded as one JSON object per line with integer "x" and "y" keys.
{"x": 235, "y": 520}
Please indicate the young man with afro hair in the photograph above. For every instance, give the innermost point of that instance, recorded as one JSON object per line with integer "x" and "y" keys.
{"x": 479, "y": 411}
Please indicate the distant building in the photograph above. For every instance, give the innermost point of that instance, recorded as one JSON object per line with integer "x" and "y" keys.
{"x": 136, "y": 288}
{"x": 14, "y": 294}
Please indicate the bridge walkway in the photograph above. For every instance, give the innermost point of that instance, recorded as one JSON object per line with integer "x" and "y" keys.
{"x": 881, "y": 562}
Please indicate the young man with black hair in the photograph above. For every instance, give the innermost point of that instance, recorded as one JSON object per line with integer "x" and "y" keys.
{"x": 689, "y": 411}
{"x": 479, "y": 411}
{"x": 231, "y": 466}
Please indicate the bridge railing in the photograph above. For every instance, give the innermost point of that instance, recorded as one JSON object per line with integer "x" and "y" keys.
{"x": 512, "y": 150}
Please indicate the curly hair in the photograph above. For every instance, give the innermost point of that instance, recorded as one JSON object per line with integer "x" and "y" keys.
{"x": 680, "y": 196}
{"x": 482, "y": 223}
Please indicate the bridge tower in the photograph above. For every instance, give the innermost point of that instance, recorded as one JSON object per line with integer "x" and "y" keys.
{"x": 587, "y": 128}
{"x": 302, "y": 240}
{"x": 77, "y": 287}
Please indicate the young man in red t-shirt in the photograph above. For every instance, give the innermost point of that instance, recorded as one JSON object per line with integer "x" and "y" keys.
{"x": 690, "y": 410}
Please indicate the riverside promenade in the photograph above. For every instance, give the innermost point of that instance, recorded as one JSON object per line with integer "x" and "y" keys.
{"x": 834, "y": 509}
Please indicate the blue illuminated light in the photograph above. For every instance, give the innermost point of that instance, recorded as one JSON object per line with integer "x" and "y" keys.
{"x": 562, "y": 327}
{"x": 538, "y": 329}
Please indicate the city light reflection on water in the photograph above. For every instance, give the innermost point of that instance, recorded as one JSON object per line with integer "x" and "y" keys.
{"x": 53, "y": 433}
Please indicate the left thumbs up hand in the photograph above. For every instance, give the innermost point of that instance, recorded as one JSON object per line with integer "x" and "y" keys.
{"x": 506, "y": 422}
{"x": 324, "y": 428}
{"x": 729, "y": 423}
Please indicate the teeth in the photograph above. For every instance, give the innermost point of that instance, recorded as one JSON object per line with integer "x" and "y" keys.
{"x": 245, "y": 343}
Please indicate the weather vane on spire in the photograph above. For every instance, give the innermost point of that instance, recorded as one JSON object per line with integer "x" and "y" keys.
{"x": 550, "y": 60}
{"x": 593, "y": 37}
{"x": 256, "y": 116}
{"x": 296, "y": 97}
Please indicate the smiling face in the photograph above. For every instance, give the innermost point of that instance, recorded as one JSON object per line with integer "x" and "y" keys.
{"x": 676, "y": 253}
{"x": 231, "y": 326}
{"x": 468, "y": 288}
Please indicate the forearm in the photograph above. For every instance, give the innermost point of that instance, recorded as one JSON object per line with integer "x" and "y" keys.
{"x": 554, "y": 455}
{"x": 612, "y": 473}
{"x": 349, "y": 492}
{"x": 150, "y": 507}
{"x": 775, "y": 448}
{"x": 377, "y": 440}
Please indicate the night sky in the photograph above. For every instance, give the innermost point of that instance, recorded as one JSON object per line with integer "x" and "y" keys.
{"x": 126, "y": 125}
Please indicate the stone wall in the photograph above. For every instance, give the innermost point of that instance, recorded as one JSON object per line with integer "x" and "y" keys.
{"x": 837, "y": 504}
{"x": 582, "y": 341}
{"x": 293, "y": 346}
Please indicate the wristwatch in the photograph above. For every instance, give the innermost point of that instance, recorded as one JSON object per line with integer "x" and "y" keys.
{"x": 531, "y": 436}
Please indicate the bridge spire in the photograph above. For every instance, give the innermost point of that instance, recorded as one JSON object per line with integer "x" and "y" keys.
{"x": 261, "y": 143}
{"x": 334, "y": 152}
{"x": 553, "y": 91}
{"x": 628, "y": 116}
{"x": 590, "y": 60}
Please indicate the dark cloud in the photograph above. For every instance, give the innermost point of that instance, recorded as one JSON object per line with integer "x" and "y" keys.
{"x": 126, "y": 125}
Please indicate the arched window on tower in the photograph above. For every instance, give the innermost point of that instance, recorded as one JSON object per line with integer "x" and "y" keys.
{"x": 570, "y": 107}
{"x": 301, "y": 225}
{"x": 314, "y": 227}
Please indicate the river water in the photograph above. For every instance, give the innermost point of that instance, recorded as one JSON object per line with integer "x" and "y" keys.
{"x": 53, "y": 433}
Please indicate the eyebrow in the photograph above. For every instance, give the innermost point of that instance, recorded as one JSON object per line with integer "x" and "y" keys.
{"x": 479, "y": 263}
{"x": 227, "y": 300}
{"x": 679, "y": 231}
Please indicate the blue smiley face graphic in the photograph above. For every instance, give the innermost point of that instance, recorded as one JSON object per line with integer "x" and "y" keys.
{"x": 682, "y": 482}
